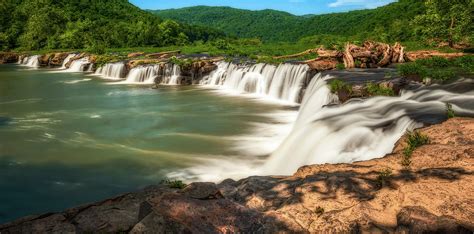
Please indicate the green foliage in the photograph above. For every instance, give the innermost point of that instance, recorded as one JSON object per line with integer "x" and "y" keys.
{"x": 101, "y": 60}
{"x": 412, "y": 70}
{"x": 450, "y": 20}
{"x": 387, "y": 23}
{"x": 414, "y": 140}
{"x": 94, "y": 25}
{"x": 184, "y": 63}
{"x": 175, "y": 184}
{"x": 374, "y": 89}
{"x": 340, "y": 66}
{"x": 437, "y": 68}
{"x": 319, "y": 211}
{"x": 337, "y": 85}
{"x": 383, "y": 177}
{"x": 449, "y": 111}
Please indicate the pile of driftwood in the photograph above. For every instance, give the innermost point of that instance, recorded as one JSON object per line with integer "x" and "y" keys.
{"x": 369, "y": 55}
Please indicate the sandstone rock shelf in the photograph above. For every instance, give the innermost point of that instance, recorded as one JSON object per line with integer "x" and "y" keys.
{"x": 435, "y": 194}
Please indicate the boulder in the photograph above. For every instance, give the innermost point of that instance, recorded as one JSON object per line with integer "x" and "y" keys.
{"x": 8, "y": 57}
{"x": 58, "y": 59}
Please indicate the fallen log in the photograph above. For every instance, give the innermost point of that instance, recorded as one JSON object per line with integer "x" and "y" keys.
{"x": 310, "y": 51}
{"x": 347, "y": 56}
{"x": 424, "y": 54}
{"x": 163, "y": 54}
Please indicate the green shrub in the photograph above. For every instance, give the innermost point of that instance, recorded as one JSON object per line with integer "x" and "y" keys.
{"x": 339, "y": 85}
{"x": 412, "y": 69}
{"x": 442, "y": 75}
{"x": 378, "y": 90}
{"x": 175, "y": 184}
{"x": 414, "y": 140}
{"x": 465, "y": 62}
{"x": 101, "y": 60}
{"x": 319, "y": 211}
{"x": 340, "y": 66}
{"x": 184, "y": 63}
{"x": 449, "y": 111}
{"x": 434, "y": 62}
{"x": 383, "y": 177}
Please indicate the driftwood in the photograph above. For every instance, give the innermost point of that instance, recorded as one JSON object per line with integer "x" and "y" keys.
{"x": 423, "y": 54}
{"x": 163, "y": 54}
{"x": 310, "y": 51}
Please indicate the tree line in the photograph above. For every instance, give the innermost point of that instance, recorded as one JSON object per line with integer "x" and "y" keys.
{"x": 90, "y": 24}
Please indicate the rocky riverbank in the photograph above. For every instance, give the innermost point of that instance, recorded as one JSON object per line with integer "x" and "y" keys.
{"x": 431, "y": 194}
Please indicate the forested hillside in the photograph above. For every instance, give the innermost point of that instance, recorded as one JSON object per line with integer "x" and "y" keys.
{"x": 391, "y": 21}
{"x": 90, "y": 24}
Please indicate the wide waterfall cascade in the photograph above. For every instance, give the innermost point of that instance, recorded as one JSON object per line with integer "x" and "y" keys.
{"x": 264, "y": 139}
{"x": 361, "y": 130}
{"x": 31, "y": 61}
{"x": 171, "y": 74}
{"x": 79, "y": 65}
{"x": 283, "y": 82}
{"x": 66, "y": 60}
{"x": 143, "y": 74}
{"x": 114, "y": 71}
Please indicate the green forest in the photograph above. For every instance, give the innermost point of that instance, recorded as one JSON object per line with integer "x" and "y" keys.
{"x": 405, "y": 20}
{"x": 89, "y": 24}
{"x": 104, "y": 25}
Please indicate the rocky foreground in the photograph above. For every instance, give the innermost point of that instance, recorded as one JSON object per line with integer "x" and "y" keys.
{"x": 434, "y": 194}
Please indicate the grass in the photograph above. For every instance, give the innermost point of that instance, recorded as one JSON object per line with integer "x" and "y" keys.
{"x": 378, "y": 90}
{"x": 414, "y": 140}
{"x": 337, "y": 85}
{"x": 438, "y": 69}
{"x": 175, "y": 184}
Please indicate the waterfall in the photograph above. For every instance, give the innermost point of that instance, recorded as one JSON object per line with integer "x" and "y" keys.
{"x": 31, "y": 61}
{"x": 171, "y": 74}
{"x": 283, "y": 82}
{"x": 143, "y": 74}
{"x": 66, "y": 60}
{"x": 79, "y": 65}
{"x": 112, "y": 71}
{"x": 361, "y": 129}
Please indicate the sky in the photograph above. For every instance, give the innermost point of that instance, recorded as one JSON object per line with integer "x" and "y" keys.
{"x": 297, "y": 7}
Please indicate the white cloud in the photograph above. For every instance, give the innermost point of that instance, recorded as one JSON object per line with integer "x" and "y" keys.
{"x": 363, "y": 3}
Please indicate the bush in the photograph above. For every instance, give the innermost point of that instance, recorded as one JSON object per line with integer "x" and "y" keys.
{"x": 449, "y": 111}
{"x": 434, "y": 62}
{"x": 176, "y": 184}
{"x": 442, "y": 75}
{"x": 465, "y": 62}
{"x": 340, "y": 66}
{"x": 414, "y": 140}
{"x": 383, "y": 177}
{"x": 378, "y": 90}
{"x": 319, "y": 211}
{"x": 412, "y": 69}
{"x": 339, "y": 85}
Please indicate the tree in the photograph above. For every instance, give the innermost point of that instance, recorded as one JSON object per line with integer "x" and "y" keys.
{"x": 450, "y": 19}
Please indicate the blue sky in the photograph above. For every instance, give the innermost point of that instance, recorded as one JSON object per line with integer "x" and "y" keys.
{"x": 298, "y": 7}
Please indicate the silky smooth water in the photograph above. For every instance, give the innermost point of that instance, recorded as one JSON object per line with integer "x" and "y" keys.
{"x": 70, "y": 138}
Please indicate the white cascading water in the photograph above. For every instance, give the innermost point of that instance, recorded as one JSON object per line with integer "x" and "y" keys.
{"x": 360, "y": 130}
{"x": 79, "y": 65}
{"x": 171, "y": 74}
{"x": 113, "y": 71}
{"x": 31, "y": 61}
{"x": 282, "y": 83}
{"x": 356, "y": 131}
{"x": 143, "y": 75}
{"x": 66, "y": 60}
